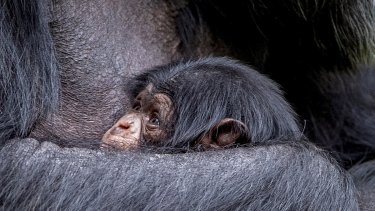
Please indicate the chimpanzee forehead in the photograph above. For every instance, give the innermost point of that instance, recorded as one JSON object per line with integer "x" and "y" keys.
{"x": 145, "y": 95}
{"x": 151, "y": 97}
{"x": 149, "y": 87}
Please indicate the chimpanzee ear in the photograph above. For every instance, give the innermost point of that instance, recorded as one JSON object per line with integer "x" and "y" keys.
{"x": 227, "y": 132}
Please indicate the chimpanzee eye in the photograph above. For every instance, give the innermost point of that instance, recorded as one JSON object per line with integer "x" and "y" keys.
{"x": 154, "y": 121}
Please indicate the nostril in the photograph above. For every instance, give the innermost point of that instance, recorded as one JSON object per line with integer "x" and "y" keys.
{"x": 125, "y": 125}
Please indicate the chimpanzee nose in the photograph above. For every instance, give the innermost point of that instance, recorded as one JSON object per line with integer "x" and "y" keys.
{"x": 128, "y": 126}
{"x": 126, "y": 133}
{"x": 121, "y": 130}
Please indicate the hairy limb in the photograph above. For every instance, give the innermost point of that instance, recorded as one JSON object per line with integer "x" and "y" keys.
{"x": 364, "y": 177}
{"x": 276, "y": 177}
{"x": 29, "y": 81}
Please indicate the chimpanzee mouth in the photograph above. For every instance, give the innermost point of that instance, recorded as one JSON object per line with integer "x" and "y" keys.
{"x": 120, "y": 143}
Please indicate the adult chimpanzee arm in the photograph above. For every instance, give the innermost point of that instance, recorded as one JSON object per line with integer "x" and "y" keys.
{"x": 289, "y": 176}
{"x": 29, "y": 79}
{"x": 364, "y": 177}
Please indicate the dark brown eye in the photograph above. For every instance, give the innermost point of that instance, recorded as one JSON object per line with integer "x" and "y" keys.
{"x": 154, "y": 121}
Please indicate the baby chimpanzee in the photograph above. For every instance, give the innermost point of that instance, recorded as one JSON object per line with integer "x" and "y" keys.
{"x": 203, "y": 104}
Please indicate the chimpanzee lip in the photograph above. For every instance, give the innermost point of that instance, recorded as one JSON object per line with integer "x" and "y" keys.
{"x": 122, "y": 142}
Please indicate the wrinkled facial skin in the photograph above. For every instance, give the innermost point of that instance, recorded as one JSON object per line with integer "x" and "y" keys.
{"x": 148, "y": 121}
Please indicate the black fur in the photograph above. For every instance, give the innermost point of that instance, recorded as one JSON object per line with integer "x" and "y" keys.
{"x": 364, "y": 177}
{"x": 287, "y": 176}
{"x": 29, "y": 81}
{"x": 316, "y": 35}
{"x": 206, "y": 91}
{"x": 350, "y": 98}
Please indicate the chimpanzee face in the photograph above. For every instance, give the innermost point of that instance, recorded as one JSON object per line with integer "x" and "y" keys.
{"x": 149, "y": 121}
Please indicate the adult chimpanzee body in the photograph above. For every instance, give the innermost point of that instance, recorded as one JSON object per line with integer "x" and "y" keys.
{"x": 202, "y": 104}
{"x": 61, "y": 64}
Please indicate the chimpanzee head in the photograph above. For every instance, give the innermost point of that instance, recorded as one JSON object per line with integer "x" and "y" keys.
{"x": 206, "y": 103}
